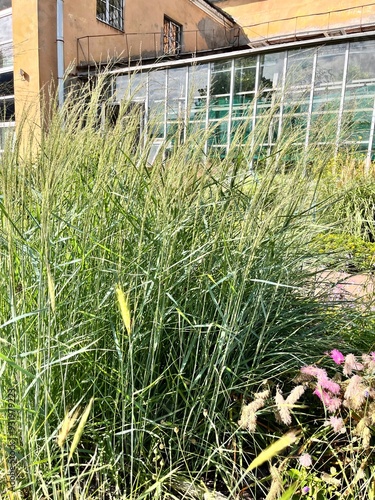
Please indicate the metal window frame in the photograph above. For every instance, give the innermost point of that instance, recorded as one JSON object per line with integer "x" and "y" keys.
{"x": 172, "y": 37}
{"x": 113, "y": 15}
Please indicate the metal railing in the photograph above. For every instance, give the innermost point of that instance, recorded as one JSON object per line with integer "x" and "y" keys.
{"x": 94, "y": 49}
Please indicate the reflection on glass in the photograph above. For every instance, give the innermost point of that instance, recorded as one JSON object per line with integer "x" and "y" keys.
{"x": 183, "y": 93}
{"x": 198, "y": 80}
{"x": 5, "y": 4}
{"x": 361, "y": 61}
{"x": 271, "y": 70}
{"x": 330, "y": 64}
{"x": 176, "y": 93}
{"x": 300, "y": 67}
{"x": 6, "y": 29}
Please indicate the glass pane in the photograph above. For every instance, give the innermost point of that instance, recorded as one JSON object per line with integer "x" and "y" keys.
{"x": 122, "y": 87}
{"x": 245, "y": 74}
{"x": 176, "y": 93}
{"x": 243, "y": 105}
{"x": 6, "y": 134}
{"x": 133, "y": 86}
{"x": 219, "y": 107}
{"x": 157, "y": 88}
{"x": 271, "y": 70}
{"x": 361, "y": 61}
{"x": 6, "y": 55}
{"x": 356, "y": 125}
{"x": 220, "y": 78}
{"x": 300, "y": 67}
{"x": 326, "y": 99}
{"x": 330, "y": 64}
{"x": 198, "y": 80}
{"x": 6, "y": 28}
{"x": 6, "y": 83}
{"x": 323, "y": 127}
{"x": 297, "y": 101}
{"x": 5, "y": 4}
{"x": 6, "y": 110}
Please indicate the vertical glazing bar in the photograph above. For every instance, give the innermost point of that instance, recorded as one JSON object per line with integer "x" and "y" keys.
{"x": 147, "y": 104}
{"x": 208, "y": 97}
{"x": 342, "y": 98}
{"x": 311, "y": 101}
{"x": 186, "y": 116}
{"x": 253, "y": 120}
{"x": 283, "y": 89}
{"x": 165, "y": 126}
{"x": 230, "y": 110}
{"x": 371, "y": 140}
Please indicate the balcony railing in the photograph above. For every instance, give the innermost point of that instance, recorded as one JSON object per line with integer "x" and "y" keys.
{"x": 121, "y": 47}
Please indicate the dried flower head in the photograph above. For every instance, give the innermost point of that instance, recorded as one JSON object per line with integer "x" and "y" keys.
{"x": 295, "y": 394}
{"x": 313, "y": 371}
{"x": 351, "y": 364}
{"x": 248, "y": 419}
{"x": 355, "y": 394}
{"x": 368, "y": 363}
{"x": 66, "y": 426}
{"x": 305, "y": 460}
{"x": 276, "y": 485}
{"x": 336, "y": 423}
{"x": 283, "y": 408}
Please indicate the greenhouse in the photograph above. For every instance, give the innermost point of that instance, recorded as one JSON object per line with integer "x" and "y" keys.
{"x": 324, "y": 93}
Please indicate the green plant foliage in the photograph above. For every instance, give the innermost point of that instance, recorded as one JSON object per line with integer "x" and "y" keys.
{"x": 345, "y": 251}
{"x": 214, "y": 263}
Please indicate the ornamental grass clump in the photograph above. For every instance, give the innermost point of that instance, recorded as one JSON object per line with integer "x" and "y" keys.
{"x": 157, "y": 298}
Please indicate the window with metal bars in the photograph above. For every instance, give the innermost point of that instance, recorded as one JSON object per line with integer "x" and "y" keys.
{"x": 111, "y": 12}
{"x": 172, "y": 37}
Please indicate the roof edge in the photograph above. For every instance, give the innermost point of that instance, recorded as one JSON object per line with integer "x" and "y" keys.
{"x": 214, "y": 11}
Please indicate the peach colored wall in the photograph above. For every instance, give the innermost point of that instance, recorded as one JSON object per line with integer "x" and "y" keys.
{"x": 140, "y": 17}
{"x": 276, "y": 18}
{"x": 26, "y": 58}
{"x": 34, "y": 29}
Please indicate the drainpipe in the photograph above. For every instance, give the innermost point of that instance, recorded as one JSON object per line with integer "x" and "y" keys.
{"x": 60, "y": 51}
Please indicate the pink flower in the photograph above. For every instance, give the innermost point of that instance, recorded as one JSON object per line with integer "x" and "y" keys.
{"x": 322, "y": 377}
{"x": 305, "y": 460}
{"x": 329, "y": 385}
{"x": 337, "y": 356}
{"x": 336, "y": 423}
{"x": 305, "y": 490}
{"x": 332, "y": 404}
{"x": 313, "y": 371}
{"x": 373, "y": 355}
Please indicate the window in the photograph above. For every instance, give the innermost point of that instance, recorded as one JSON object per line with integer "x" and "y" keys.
{"x": 171, "y": 37}
{"x": 111, "y": 12}
{"x": 5, "y": 4}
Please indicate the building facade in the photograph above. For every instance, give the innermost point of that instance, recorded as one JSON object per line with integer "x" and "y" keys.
{"x": 313, "y": 77}
{"x": 216, "y": 65}
{"x": 324, "y": 94}
{"x": 52, "y": 37}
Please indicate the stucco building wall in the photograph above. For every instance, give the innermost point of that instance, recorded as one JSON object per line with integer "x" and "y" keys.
{"x": 275, "y": 19}
{"x": 88, "y": 40}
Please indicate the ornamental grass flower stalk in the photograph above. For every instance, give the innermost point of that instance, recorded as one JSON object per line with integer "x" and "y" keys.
{"x": 248, "y": 418}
